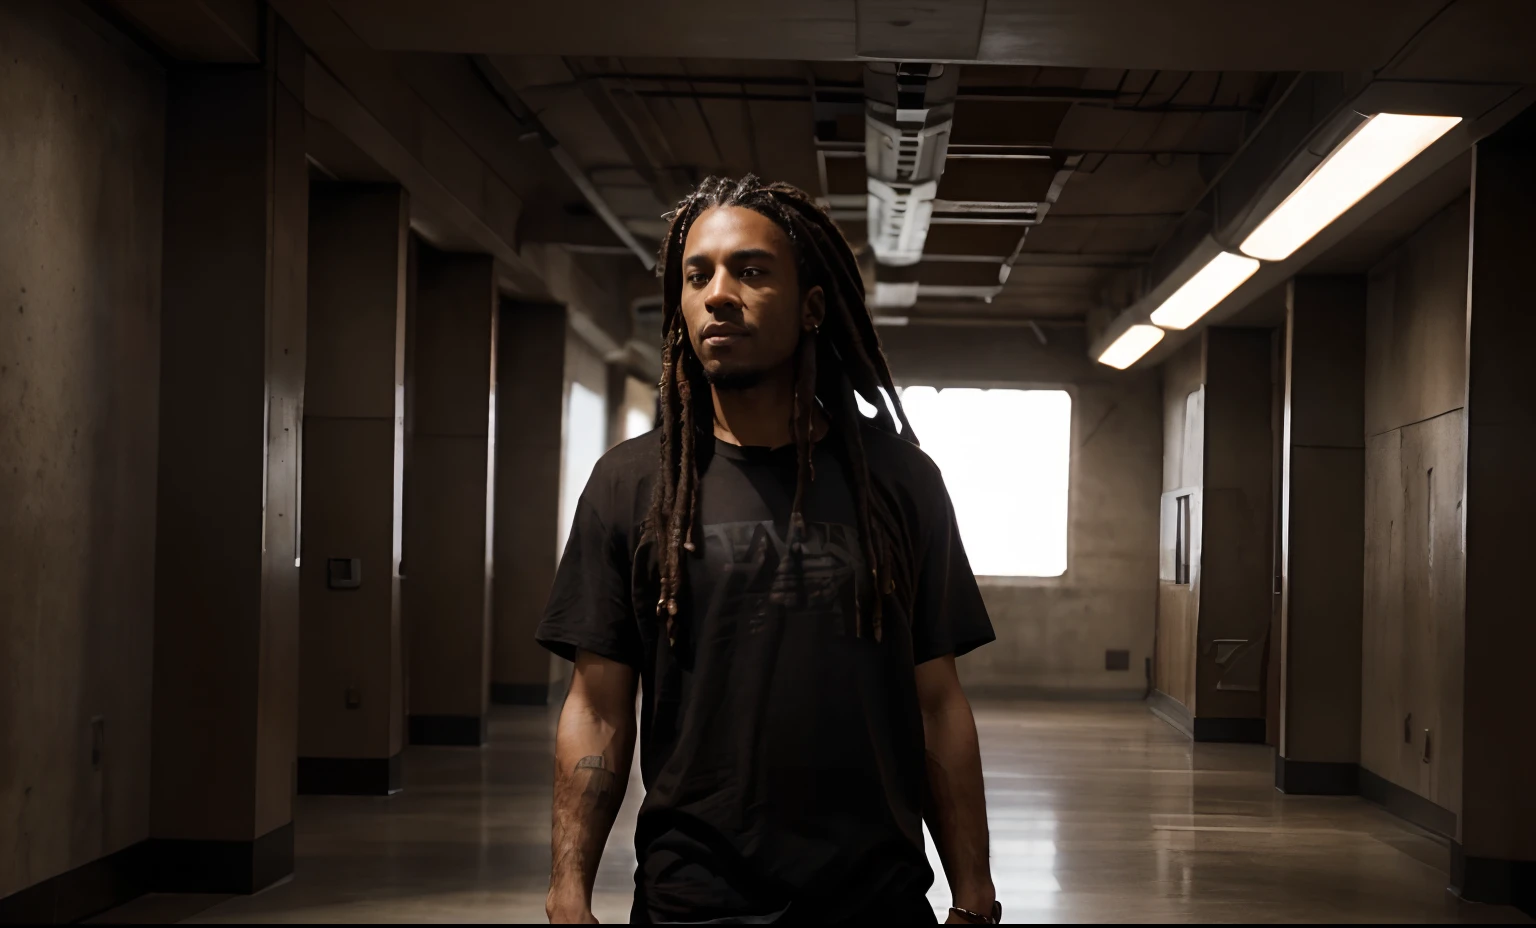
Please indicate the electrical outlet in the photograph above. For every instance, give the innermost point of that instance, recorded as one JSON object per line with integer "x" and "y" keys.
{"x": 1117, "y": 660}
{"x": 98, "y": 741}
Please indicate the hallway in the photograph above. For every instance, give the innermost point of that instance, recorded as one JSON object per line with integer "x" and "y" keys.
{"x": 1100, "y": 813}
{"x": 330, "y": 329}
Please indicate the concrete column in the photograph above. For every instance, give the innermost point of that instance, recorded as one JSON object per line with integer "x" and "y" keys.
{"x": 530, "y": 417}
{"x": 352, "y": 667}
{"x": 1236, "y": 566}
{"x": 1322, "y": 536}
{"x": 449, "y": 496}
{"x": 232, "y": 388}
{"x": 1494, "y": 859}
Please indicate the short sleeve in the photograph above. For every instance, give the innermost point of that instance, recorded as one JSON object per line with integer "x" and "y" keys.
{"x": 948, "y": 615}
{"x": 589, "y": 607}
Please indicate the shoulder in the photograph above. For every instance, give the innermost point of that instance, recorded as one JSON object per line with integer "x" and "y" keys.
{"x": 632, "y": 459}
{"x": 622, "y": 477}
{"x": 900, "y": 463}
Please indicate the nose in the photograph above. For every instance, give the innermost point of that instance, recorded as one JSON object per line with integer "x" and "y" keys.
{"x": 722, "y": 295}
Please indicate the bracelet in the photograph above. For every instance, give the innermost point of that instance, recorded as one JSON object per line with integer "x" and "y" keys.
{"x": 994, "y": 919}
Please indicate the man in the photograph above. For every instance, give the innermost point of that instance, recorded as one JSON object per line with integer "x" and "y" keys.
{"x": 785, "y": 579}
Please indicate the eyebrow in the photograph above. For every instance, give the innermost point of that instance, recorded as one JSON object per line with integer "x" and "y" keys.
{"x": 743, "y": 254}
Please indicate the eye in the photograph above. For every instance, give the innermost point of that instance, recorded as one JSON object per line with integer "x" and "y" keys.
{"x": 749, "y": 272}
{"x": 697, "y": 279}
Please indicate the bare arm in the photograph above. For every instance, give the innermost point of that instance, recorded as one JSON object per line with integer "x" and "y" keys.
{"x": 593, "y": 748}
{"x": 956, "y": 807}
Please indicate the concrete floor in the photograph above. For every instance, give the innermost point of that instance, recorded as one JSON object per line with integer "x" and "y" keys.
{"x": 1099, "y": 813}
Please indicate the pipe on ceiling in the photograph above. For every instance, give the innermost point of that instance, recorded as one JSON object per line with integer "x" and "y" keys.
{"x": 563, "y": 158}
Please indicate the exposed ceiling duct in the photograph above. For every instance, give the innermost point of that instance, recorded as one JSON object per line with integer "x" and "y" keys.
{"x": 909, "y": 109}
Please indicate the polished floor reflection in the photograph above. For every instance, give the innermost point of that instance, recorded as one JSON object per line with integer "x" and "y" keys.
{"x": 1100, "y": 813}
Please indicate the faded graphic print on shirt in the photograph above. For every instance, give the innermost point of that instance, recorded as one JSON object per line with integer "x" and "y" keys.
{"x": 760, "y": 578}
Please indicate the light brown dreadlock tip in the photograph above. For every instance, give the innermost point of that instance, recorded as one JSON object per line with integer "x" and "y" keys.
{"x": 689, "y": 547}
{"x": 671, "y": 607}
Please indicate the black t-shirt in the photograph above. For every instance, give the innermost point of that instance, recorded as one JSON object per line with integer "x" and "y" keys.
{"x": 782, "y": 755}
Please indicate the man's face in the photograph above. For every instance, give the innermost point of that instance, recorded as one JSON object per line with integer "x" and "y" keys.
{"x": 741, "y": 296}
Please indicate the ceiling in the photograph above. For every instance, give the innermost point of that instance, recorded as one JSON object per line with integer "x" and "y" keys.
{"x": 1128, "y": 151}
{"x": 1085, "y": 134}
{"x": 1427, "y": 37}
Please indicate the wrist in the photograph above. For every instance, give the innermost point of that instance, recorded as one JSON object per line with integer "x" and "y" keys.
{"x": 975, "y": 897}
{"x": 565, "y": 894}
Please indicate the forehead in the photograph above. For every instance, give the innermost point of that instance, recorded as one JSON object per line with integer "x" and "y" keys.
{"x": 722, "y": 230}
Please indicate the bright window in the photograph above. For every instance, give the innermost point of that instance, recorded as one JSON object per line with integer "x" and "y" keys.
{"x": 1005, "y": 455}
{"x": 637, "y": 422}
{"x": 586, "y": 432}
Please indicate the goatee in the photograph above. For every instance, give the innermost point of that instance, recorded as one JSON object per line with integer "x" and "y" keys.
{"x": 728, "y": 380}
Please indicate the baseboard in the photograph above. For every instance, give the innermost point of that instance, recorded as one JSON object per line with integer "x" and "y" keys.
{"x": 241, "y": 867}
{"x": 1494, "y": 880}
{"x": 156, "y": 865}
{"x": 351, "y": 776}
{"x": 1196, "y": 728}
{"x": 1230, "y": 731}
{"x": 448, "y": 730}
{"x": 1172, "y": 711}
{"x": 520, "y": 694}
{"x": 1316, "y": 778}
{"x": 78, "y": 894}
{"x": 1407, "y": 805}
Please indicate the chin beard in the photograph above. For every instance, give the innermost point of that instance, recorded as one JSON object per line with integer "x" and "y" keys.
{"x": 734, "y": 380}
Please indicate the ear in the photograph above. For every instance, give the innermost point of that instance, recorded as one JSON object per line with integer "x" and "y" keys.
{"x": 813, "y": 309}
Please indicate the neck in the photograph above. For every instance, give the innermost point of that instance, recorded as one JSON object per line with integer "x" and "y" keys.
{"x": 759, "y": 415}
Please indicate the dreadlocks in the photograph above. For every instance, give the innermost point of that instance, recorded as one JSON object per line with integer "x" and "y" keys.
{"x": 841, "y": 358}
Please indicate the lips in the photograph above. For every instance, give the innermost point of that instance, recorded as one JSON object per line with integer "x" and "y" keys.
{"x": 720, "y": 334}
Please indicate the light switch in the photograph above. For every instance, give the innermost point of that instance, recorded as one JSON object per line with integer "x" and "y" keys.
{"x": 344, "y": 573}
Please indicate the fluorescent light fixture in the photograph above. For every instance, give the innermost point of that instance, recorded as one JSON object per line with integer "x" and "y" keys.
{"x": 890, "y": 294}
{"x": 1372, "y": 153}
{"x": 892, "y": 320}
{"x": 1200, "y": 294}
{"x": 1129, "y": 347}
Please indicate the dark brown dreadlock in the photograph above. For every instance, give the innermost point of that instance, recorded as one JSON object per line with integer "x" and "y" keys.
{"x": 846, "y": 338}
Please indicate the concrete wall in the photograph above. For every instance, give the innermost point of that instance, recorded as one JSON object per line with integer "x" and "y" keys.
{"x": 81, "y": 168}
{"x": 1415, "y": 392}
{"x": 1178, "y": 604}
{"x": 1052, "y": 633}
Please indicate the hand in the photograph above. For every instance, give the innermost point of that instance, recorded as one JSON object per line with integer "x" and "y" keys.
{"x": 564, "y": 908}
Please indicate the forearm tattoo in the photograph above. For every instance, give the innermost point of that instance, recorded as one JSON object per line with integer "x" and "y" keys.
{"x": 586, "y": 802}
